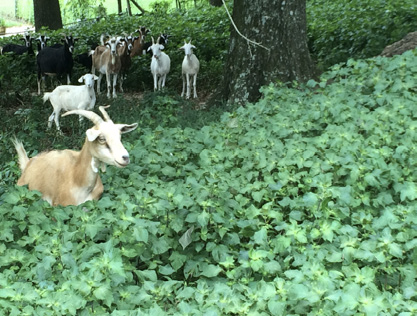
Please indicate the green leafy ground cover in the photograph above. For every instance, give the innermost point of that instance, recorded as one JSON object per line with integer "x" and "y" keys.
{"x": 301, "y": 204}
{"x": 339, "y": 30}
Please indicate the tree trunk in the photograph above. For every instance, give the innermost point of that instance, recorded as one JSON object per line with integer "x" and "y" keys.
{"x": 279, "y": 26}
{"x": 47, "y": 13}
{"x": 129, "y": 9}
{"x": 119, "y": 6}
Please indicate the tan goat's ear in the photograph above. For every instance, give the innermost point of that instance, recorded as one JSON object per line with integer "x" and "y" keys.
{"x": 92, "y": 134}
{"x": 124, "y": 128}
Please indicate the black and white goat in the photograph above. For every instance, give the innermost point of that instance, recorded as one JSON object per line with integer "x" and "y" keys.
{"x": 42, "y": 41}
{"x": 56, "y": 61}
{"x": 19, "y": 49}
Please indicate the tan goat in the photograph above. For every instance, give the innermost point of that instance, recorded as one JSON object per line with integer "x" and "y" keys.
{"x": 68, "y": 177}
{"x": 106, "y": 60}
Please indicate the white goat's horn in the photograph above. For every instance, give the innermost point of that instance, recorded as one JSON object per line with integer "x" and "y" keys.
{"x": 103, "y": 111}
{"x": 157, "y": 41}
{"x": 153, "y": 41}
{"x": 95, "y": 118}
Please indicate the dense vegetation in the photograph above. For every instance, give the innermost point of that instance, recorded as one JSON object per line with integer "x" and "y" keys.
{"x": 301, "y": 204}
{"x": 339, "y": 30}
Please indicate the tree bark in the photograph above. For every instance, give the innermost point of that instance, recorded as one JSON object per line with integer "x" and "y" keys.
{"x": 47, "y": 13}
{"x": 278, "y": 25}
{"x": 129, "y": 9}
{"x": 119, "y": 6}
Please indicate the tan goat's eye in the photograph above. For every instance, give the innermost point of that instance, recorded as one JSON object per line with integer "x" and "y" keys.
{"x": 102, "y": 139}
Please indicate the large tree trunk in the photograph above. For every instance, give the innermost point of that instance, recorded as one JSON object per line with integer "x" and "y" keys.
{"x": 279, "y": 26}
{"x": 47, "y": 13}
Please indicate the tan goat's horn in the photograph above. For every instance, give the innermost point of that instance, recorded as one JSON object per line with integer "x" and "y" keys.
{"x": 103, "y": 111}
{"x": 95, "y": 118}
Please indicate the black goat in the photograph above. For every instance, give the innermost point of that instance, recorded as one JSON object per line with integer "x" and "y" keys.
{"x": 20, "y": 49}
{"x": 56, "y": 61}
{"x": 86, "y": 59}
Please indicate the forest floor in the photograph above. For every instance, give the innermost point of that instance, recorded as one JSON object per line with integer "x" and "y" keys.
{"x": 21, "y": 29}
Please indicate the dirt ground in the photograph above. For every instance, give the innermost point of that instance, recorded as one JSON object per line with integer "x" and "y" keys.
{"x": 18, "y": 30}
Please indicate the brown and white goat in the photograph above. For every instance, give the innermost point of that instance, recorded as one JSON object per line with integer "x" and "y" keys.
{"x": 125, "y": 57}
{"x": 138, "y": 45}
{"x": 106, "y": 60}
{"x": 68, "y": 177}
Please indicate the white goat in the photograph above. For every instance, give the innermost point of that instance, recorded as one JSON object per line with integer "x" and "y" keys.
{"x": 160, "y": 64}
{"x": 190, "y": 68}
{"x": 68, "y": 97}
{"x": 67, "y": 177}
{"x": 107, "y": 61}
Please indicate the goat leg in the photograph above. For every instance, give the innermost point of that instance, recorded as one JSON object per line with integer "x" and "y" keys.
{"x": 51, "y": 118}
{"x": 108, "y": 81}
{"x": 188, "y": 85}
{"x": 114, "y": 85}
{"x": 195, "y": 85}
{"x": 183, "y": 85}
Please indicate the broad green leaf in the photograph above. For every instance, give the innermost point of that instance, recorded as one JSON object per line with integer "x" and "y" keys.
{"x": 105, "y": 203}
{"x": 395, "y": 250}
{"x": 104, "y": 293}
{"x": 160, "y": 245}
{"x": 407, "y": 190}
{"x": 203, "y": 218}
{"x": 260, "y": 237}
{"x": 166, "y": 270}
{"x": 140, "y": 234}
{"x": 298, "y": 292}
{"x": 210, "y": 270}
{"x": 310, "y": 199}
{"x": 12, "y": 197}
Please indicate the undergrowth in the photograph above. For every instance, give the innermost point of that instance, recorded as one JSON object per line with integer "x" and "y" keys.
{"x": 301, "y": 204}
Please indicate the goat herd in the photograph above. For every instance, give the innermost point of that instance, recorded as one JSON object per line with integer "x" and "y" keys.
{"x": 113, "y": 58}
{"x": 68, "y": 177}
